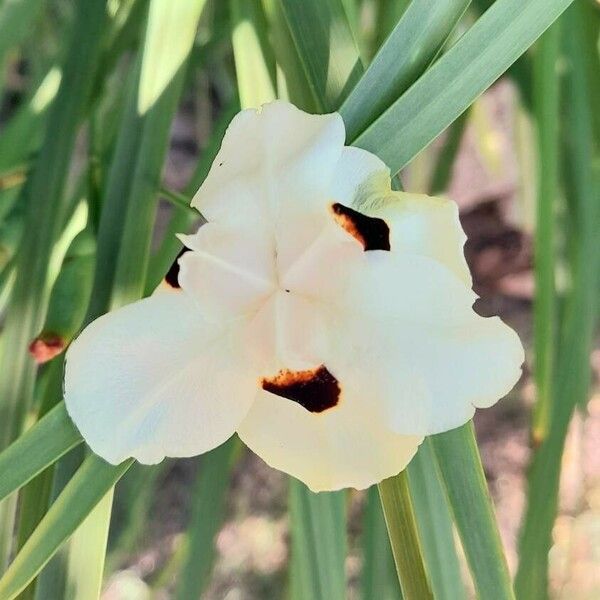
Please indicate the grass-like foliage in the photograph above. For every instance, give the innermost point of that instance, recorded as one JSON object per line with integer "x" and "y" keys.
{"x": 90, "y": 93}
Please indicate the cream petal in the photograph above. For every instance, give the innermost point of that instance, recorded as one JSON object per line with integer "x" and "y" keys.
{"x": 338, "y": 448}
{"x": 229, "y": 271}
{"x": 426, "y": 226}
{"x": 274, "y": 163}
{"x": 378, "y": 283}
{"x": 409, "y": 343}
{"x": 154, "y": 379}
{"x": 425, "y": 380}
{"x": 355, "y": 172}
{"x": 288, "y": 332}
{"x": 419, "y": 224}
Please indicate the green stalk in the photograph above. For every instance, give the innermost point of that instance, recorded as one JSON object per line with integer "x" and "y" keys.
{"x": 468, "y": 495}
{"x": 547, "y": 112}
{"x": 579, "y": 320}
{"x": 402, "y": 530}
{"x": 442, "y": 172}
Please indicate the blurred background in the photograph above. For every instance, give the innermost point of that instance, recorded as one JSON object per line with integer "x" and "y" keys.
{"x": 487, "y": 162}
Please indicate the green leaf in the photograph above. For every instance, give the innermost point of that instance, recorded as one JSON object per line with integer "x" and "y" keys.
{"x": 325, "y": 47}
{"x": 579, "y": 317}
{"x": 442, "y": 172}
{"x": 94, "y": 479}
{"x": 135, "y": 173}
{"x": 40, "y": 446}
{"x": 447, "y": 89}
{"x": 170, "y": 34}
{"x": 87, "y": 552}
{"x": 47, "y": 207}
{"x": 469, "y": 499}
{"x": 402, "y": 529}
{"x": 17, "y": 18}
{"x": 412, "y": 45}
{"x": 254, "y": 60}
{"x": 547, "y": 113}
{"x": 379, "y": 577}
{"x": 318, "y": 543}
{"x": 208, "y": 512}
{"x": 434, "y": 524}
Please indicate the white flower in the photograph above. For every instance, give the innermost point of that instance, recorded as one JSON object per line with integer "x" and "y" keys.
{"x": 323, "y": 317}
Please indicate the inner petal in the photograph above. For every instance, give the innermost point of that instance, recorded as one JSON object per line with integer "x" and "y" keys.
{"x": 229, "y": 272}
{"x": 288, "y": 333}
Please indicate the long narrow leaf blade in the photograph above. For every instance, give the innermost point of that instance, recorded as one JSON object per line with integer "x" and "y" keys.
{"x": 90, "y": 484}
{"x": 447, "y": 89}
{"x": 407, "y": 52}
{"x": 579, "y": 318}
{"x": 43, "y": 444}
{"x": 318, "y": 544}
{"x": 434, "y": 523}
{"x": 468, "y": 495}
{"x": 325, "y": 47}
{"x": 547, "y": 109}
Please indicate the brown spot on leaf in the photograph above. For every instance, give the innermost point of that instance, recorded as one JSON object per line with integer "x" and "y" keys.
{"x": 45, "y": 347}
{"x": 172, "y": 276}
{"x": 316, "y": 389}
{"x": 372, "y": 232}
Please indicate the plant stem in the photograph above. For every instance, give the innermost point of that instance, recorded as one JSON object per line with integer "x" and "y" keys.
{"x": 547, "y": 108}
{"x": 404, "y": 538}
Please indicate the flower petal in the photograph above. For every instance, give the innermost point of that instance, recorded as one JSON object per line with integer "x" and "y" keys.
{"x": 403, "y": 336}
{"x": 425, "y": 380}
{"x": 273, "y": 162}
{"x": 154, "y": 379}
{"x": 426, "y": 226}
{"x": 354, "y": 173}
{"x": 419, "y": 224}
{"x": 340, "y": 447}
{"x": 229, "y": 271}
{"x": 289, "y": 332}
{"x": 409, "y": 341}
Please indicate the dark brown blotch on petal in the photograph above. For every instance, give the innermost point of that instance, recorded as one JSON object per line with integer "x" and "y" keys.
{"x": 316, "y": 389}
{"x": 372, "y": 232}
{"x": 172, "y": 276}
